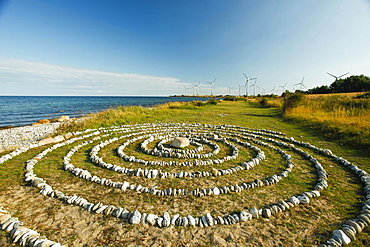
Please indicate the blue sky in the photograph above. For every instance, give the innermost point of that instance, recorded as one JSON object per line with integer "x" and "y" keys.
{"x": 117, "y": 47}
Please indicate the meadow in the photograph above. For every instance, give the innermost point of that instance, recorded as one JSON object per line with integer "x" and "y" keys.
{"x": 342, "y": 117}
{"x": 303, "y": 225}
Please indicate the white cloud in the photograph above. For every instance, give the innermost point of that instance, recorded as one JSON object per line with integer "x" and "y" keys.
{"x": 18, "y": 77}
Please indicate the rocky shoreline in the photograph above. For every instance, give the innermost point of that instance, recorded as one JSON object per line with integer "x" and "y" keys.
{"x": 14, "y": 138}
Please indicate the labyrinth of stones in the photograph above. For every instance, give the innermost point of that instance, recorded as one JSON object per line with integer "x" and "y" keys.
{"x": 215, "y": 152}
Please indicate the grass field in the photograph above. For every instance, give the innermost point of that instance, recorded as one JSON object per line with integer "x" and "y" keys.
{"x": 340, "y": 117}
{"x": 305, "y": 225}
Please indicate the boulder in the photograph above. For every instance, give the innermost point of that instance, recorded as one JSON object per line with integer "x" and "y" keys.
{"x": 59, "y": 138}
{"x": 43, "y": 121}
{"x": 180, "y": 142}
{"x": 47, "y": 141}
{"x": 68, "y": 135}
{"x": 63, "y": 118}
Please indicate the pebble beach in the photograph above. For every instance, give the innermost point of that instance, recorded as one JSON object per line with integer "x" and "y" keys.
{"x": 13, "y": 138}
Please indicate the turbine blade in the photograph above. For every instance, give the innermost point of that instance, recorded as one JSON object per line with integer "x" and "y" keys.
{"x": 343, "y": 75}
{"x": 214, "y": 80}
{"x": 245, "y": 76}
{"x": 331, "y": 75}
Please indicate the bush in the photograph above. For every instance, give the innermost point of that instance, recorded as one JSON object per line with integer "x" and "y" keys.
{"x": 262, "y": 101}
{"x": 212, "y": 102}
{"x": 292, "y": 100}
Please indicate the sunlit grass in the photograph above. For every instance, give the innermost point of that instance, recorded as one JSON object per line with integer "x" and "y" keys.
{"x": 343, "y": 117}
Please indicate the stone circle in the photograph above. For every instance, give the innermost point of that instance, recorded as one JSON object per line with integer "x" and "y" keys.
{"x": 205, "y": 142}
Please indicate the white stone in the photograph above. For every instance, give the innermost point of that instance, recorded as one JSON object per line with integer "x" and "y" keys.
{"x": 135, "y": 217}
{"x": 180, "y": 142}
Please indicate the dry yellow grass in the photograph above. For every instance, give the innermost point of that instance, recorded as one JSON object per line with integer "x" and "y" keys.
{"x": 338, "y": 114}
{"x": 312, "y": 96}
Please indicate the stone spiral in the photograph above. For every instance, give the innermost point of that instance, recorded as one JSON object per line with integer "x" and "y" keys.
{"x": 211, "y": 146}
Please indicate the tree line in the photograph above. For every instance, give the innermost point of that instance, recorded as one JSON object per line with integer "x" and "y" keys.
{"x": 354, "y": 83}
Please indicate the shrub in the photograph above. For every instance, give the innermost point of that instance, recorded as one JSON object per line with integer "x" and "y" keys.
{"x": 212, "y": 102}
{"x": 262, "y": 102}
{"x": 292, "y": 100}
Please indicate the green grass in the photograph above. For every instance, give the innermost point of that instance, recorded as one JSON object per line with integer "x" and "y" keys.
{"x": 341, "y": 201}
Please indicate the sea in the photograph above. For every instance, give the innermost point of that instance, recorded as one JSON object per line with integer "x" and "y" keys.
{"x": 24, "y": 110}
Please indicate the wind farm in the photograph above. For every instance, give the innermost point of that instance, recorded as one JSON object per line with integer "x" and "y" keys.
{"x": 254, "y": 89}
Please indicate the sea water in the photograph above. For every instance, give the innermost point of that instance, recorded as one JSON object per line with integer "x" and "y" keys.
{"x": 25, "y": 110}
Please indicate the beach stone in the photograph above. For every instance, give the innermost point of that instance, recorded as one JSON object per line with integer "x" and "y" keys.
{"x": 43, "y": 121}
{"x": 63, "y": 118}
{"x": 266, "y": 212}
{"x": 135, "y": 217}
{"x": 59, "y": 138}
{"x": 244, "y": 216}
{"x": 174, "y": 218}
{"x": 151, "y": 219}
{"x": 354, "y": 225}
{"x": 46, "y": 141}
{"x": 68, "y": 136}
{"x": 191, "y": 220}
{"x": 216, "y": 191}
{"x": 254, "y": 212}
{"x": 339, "y": 234}
{"x": 4, "y": 218}
{"x": 159, "y": 221}
{"x": 214, "y": 172}
{"x": 180, "y": 142}
{"x": 166, "y": 219}
{"x": 304, "y": 200}
{"x": 350, "y": 232}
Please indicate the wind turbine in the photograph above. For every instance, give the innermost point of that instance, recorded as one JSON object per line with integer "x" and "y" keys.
{"x": 193, "y": 87}
{"x": 197, "y": 87}
{"x": 337, "y": 77}
{"x": 239, "y": 87}
{"x": 246, "y": 83}
{"x": 284, "y": 87}
{"x": 273, "y": 90}
{"x": 254, "y": 85}
{"x": 212, "y": 85}
{"x": 185, "y": 90}
{"x": 300, "y": 84}
{"x": 230, "y": 89}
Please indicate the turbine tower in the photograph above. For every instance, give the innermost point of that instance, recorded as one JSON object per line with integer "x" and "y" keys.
{"x": 196, "y": 86}
{"x": 254, "y": 86}
{"x": 212, "y": 85}
{"x": 230, "y": 89}
{"x": 239, "y": 87}
{"x": 246, "y": 84}
{"x": 301, "y": 84}
{"x": 185, "y": 90}
{"x": 273, "y": 90}
{"x": 337, "y": 77}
